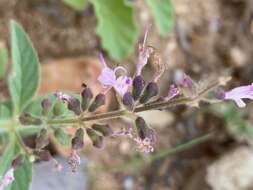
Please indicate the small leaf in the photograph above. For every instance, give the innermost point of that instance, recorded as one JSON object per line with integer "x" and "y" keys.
{"x": 24, "y": 78}
{"x": 116, "y": 27}
{"x": 23, "y": 176}
{"x": 78, "y": 5}
{"x": 3, "y": 60}
{"x": 163, "y": 13}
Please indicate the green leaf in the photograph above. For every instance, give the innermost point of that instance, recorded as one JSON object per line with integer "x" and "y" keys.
{"x": 78, "y": 5}
{"x": 3, "y": 61}
{"x": 24, "y": 78}
{"x": 116, "y": 27}
{"x": 23, "y": 176}
{"x": 9, "y": 153}
{"x": 163, "y": 13}
{"x": 62, "y": 137}
{"x": 5, "y": 110}
{"x": 34, "y": 107}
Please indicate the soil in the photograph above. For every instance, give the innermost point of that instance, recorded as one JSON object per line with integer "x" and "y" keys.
{"x": 208, "y": 37}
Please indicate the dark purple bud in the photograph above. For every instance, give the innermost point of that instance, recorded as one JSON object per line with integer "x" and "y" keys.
{"x": 74, "y": 105}
{"x": 138, "y": 86}
{"x": 28, "y": 119}
{"x": 144, "y": 131}
{"x": 17, "y": 161}
{"x": 43, "y": 155}
{"x": 141, "y": 127}
{"x": 220, "y": 94}
{"x": 77, "y": 141}
{"x": 86, "y": 98}
{"x": 46, "y": 105}
{"x": 72, "y": 102}
{"x": 128, "y": 101}
{"x": 42, "y": 139}
{"x": 97, "y": 140}
{"x": 150, "y": 91}
{"x": 105, "y": 129}
{"x": 99, "y": 101}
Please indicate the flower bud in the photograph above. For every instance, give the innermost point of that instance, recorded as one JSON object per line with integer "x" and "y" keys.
{"x": 99, "y": 101}
{"x": 57, "y": 108}
{"x": 74, "y": 105}
{"x": 128, "y": 101}
{"x": 72, "y": 102}
{"x": 17, "y": 161}
{"x": 220, "y": 94}
{"x": 138, "y": 86}
{"x": 144, "y": 131}
{"x": 105, "y": 129}
{"x": 188, "y": 86}
{"x": 77, "y": 141}
{"x": 150, "y": 91}
{"x": 42, "y": 139}
{"x": 97, "y": 140}
{"x": 28, "y": 119}
{"x": 43, "y": 155}
{"x": 46, "y": 105}
{"x": 86, "y": 98}
{"x": 141, "y": 127}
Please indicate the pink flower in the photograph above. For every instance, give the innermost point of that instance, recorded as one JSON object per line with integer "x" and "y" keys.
{"x": 237, "y": 94}
{"x": 173, "y": 91}
{"x": 74, "y": 160}
{"x": 109, "y": 79}
{"x": 7, "y": 179}
{"x": 144, "y": 54}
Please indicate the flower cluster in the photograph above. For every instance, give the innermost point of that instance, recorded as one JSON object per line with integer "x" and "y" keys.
{"x": 135, "y": 93}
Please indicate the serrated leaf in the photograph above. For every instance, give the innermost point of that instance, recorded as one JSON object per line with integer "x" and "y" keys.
{"x": 163, "y": 13}
{"x": 78, "y": 5}
{"x": 24, "y": 78}
{"x": 116, "y": 27}
{"x": 3, "y": 61}
{"x": 23, "y": 176}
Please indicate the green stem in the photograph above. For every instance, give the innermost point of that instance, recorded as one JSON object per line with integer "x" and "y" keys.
{"x": 138, "y": 162}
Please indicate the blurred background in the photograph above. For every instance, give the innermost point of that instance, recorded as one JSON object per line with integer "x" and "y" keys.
{"x": 197, "y": 37}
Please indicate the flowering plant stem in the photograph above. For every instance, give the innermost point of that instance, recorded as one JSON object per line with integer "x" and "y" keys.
{"x": 151, "y": 106}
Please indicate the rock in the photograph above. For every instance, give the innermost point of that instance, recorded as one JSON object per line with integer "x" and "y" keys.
{"x": 233, "y": 171}
{"x": 45, "y": 178}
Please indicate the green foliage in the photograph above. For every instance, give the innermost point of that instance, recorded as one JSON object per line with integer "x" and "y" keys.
{"x": 58, "y": 107}
{"x": 3, "y": 61}
{"x": 62, "y": 137}
{"x": 116, "y": 27}
{"x": 76, "y": 4}
{"x": 5, "y": 109}
{"x": 116, "y": 24}
{"x": 23, "y": 176}
{"x": 24, "y": 78}
{"x": 236, "y": 125}
{"x": 163, "y": 14}
{"x": 9, "y": 153}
